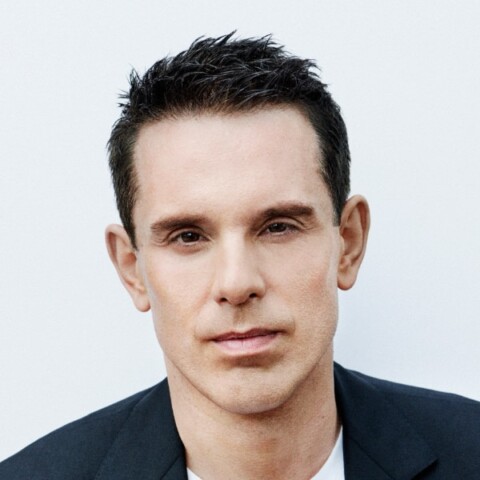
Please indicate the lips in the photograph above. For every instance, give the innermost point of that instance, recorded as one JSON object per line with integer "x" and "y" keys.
{"x": 250, "y": 342}
{"x": 255, "y": 332}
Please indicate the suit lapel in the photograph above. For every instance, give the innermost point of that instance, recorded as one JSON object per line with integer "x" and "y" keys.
{"x": 148, "y": 446}
{"x": 379, "y": 442}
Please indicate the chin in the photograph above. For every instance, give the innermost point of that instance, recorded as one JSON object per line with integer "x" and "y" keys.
{"x": 251, "y": 406}
{"x": 252, "y": 399}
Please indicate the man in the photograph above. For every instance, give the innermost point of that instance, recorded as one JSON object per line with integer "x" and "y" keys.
{"x": 230, "y": 164}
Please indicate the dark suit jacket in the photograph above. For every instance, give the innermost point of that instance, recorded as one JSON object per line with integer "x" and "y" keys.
{"x": 390, "y": 432}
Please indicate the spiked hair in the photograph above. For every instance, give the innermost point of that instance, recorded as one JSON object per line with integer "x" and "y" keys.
{"x": 225, "y": 75}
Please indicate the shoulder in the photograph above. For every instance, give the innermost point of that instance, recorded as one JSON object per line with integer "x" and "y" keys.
{"x": 449, "y": 424}
{"x": 76, "y": 450}
{"x": 448, "y": 410}
{"x": 447, "y": 419}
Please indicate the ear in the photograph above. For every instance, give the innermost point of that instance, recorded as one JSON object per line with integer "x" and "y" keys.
{"x": 124, "y": 258}
{"x": 354, "y": 226}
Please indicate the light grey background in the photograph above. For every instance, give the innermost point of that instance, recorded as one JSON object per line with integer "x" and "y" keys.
{"x": 407, "y": 75}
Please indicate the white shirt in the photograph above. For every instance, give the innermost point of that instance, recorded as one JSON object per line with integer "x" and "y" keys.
{"x": 332, "y": 469}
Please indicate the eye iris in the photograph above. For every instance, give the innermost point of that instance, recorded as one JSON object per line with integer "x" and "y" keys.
{"x": 277, "y": 227}
{"x": 189, "y": 237}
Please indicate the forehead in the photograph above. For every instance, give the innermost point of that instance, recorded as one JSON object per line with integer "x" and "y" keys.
{"x": 239, "y": 157}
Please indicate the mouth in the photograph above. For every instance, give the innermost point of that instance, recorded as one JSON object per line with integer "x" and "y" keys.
{"x": 250, "y": 342}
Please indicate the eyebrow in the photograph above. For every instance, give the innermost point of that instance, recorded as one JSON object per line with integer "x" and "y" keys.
{"x": 176, "y": 222}
{"x": 288, "y": 209}
{"x": 297, "y": 210}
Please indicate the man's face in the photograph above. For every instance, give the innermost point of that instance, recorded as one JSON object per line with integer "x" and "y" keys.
{"x": 238, "y": 254}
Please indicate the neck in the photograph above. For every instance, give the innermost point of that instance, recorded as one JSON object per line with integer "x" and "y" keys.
{"x": 291, "y": 441}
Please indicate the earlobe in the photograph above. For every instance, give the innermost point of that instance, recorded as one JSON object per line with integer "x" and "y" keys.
{"x": 354, "y": 227}
{"x": 124, "y": 259}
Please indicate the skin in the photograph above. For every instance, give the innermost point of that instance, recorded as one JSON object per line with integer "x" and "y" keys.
{"x": 236, "y": 238}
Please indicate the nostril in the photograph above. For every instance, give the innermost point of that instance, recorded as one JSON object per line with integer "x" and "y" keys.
{"x": 238, "y": 299}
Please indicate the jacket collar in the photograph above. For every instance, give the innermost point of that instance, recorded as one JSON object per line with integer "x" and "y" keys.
{"x": 379, "y": 442}
{"x": 148, "y": 445}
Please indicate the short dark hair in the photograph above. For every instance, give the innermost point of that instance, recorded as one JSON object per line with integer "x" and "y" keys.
{"x": 224, "y": 75}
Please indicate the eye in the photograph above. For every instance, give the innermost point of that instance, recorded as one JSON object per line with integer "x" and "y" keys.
{"x": 278, "y": 228}
{"x": 187, "y": 237}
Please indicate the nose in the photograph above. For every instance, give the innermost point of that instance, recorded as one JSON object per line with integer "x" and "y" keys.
{"x": 237, "y": 278}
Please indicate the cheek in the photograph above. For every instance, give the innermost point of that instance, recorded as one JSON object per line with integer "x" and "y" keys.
{"x": 177, "y": 291}
{"x": 320, "y": 292}
{"x": 310, "y": 284}
{"x": 311, "y": 270}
